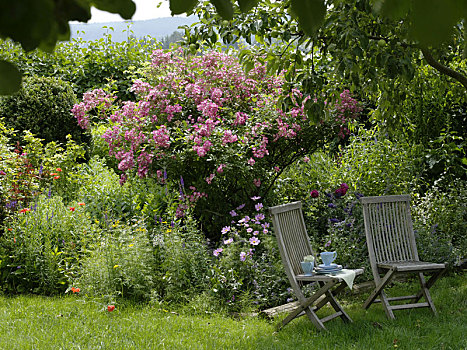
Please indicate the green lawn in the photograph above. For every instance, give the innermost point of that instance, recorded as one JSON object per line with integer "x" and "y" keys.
{"x": 30, "y": 322}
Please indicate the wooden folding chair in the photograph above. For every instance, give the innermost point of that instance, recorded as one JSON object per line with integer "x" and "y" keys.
{"x": 392, "y": 250}
{"x": 294, "y": 245}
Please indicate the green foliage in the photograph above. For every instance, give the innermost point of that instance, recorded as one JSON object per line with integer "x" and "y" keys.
{"x": 42, "y": 246}
{"x": 120, "y": 264}
{"x": 85, "y": 64}
{"x": 36, "y": 168}
{"x": 440, "y": 221}
{"x": 248, "y": 269}
{"x": 184, "y": 259}
{"x": 11, "y": 78}
{"x": 106, "y": 197}
{"x": 43, "y": 107}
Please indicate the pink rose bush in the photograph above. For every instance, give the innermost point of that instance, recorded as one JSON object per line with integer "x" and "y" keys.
{"x": 227, "y": 132}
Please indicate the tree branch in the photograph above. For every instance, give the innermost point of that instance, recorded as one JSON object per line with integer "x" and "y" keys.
{"x": 443, "y": 69}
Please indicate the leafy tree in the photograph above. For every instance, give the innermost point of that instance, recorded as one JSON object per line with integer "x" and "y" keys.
{"x": 40, "y": 23}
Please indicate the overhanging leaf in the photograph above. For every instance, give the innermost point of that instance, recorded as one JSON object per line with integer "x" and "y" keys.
{"x": 224, "y": 8}
{"x": 125, "y": 8}
{"x": 181, "y": 6}
{"x": 393, "y": 9}
{"x": 10, "y": 78}
{"x": 247, "y": 5}
{"x": 433, "y": 21}
{"x": 310, "y": 14}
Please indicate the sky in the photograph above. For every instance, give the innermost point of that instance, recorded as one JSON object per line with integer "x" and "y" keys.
{"x": 145, "y": 9}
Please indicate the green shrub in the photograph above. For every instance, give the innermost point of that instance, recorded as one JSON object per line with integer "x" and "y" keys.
{"x": 440, "y": 221}
{"x": 184, "y": 258}
{"x": 85, "y": 64}
{"x": 120, "y": 264}
{"x": 43, "y": 107}
{"x": 248, "y": 270}
{"x": 42, "y": 246}
{"x": 32, "y": 168}
{"x": 106, "y": 197}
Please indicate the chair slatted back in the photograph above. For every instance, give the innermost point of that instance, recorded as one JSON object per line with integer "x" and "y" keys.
{"x": 388, "y": 228}
{"x": 292, "y": 237}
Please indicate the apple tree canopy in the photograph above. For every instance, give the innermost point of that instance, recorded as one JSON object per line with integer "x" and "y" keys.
{"x": 41, "y": 23}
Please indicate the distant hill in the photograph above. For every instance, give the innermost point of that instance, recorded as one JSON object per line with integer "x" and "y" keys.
{"x": 156, "y": 28}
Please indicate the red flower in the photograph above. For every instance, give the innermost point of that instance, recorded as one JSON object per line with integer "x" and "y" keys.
{"x": 314, "y": 194}
{"x": 81, "y": 203}
{"x": 56, "y": 177}
{"x": 72, "y": 208}
{"x": 10, "y": 229}
{"x": 75, "y": 290}
{"x": 52, "y": 174}
{"x": 24, "y": 210}
{"x": 59, "y": 169}
{"x": 110, "y": 308}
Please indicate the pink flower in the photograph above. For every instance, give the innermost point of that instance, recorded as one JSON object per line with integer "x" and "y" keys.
{"x": 254, "y": 241}
{"x": 314, "y": 194}
{"x": 217, "y": 251}
{"x": 257, "y": 182}
{"x": 209, "y": 178}
{"x": 251, "y": 161}
{"x": 242, "y": 256}
{"x": 306, "y": 159}
{"x": 220, "y": 168}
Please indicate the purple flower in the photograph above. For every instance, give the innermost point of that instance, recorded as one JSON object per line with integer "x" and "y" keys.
{"x": 328, "y": 243}
{"x": 255, "y": 198}
{"x": 314, "y": 194}
{"x": 255, "y": 233}
{"x": 249, "y": 230}
{"x": 259, "y": 217}
{"x": 242, "y": 256}
{"x": 225, "y": 229}
{"x": 241, "y": 206}
{"x": 259, "y": 206}
{"x": 233, "y": 213}
{"x": 182, "y": 182}
{"x": 217, "y": 251}
{"x": 332, "y": 205}
{"x": 334, "y": 220}
{"x": 228, "y": 241}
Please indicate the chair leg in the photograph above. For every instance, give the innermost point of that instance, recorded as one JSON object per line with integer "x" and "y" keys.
{"x": 386, "y": 306}
{"x": 430, "y": 283}
{"x": 380, "y": 284}
{"x": 425, "y": 292}
{"x": 335, "y": 305}
{"x": 305, "y": 305}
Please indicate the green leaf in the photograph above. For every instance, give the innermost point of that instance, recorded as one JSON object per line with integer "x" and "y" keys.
{"x": 247, "y": 5}
{"x": 10, "y": 78}
{"x": 394, "y": 9}
{"x": 224, "y": 8}
{"x": 433, "y": 21}
{"x": 310, "y": 14}
{"x": 181, "y": 6}
{"x": 125, "y": 8}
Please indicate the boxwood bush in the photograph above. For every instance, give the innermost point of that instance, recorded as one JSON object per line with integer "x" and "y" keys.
{"x": 43, "y": 107}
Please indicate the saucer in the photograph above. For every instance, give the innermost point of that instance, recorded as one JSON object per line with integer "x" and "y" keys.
{"x": 329, "y": 267}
